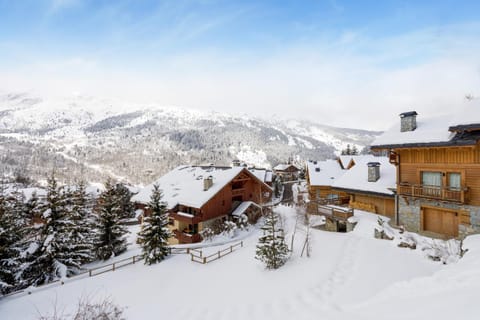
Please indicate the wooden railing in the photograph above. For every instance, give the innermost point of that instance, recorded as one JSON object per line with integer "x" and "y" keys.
{"x": 336, "y": 211}
{"x": 197, "y": 256}
{"x": 184, "y": 218}
{"x": 434, "y": 192}
{"x": 333, "y": 201}
{"x": 187, "y": 237}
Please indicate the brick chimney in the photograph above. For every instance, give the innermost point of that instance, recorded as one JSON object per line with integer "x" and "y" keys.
{"x": 373, "y": 171}
{"x": 408, "y": 121}
{"x": 207, "y": 183}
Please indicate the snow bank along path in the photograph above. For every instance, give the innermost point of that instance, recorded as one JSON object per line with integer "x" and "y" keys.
{"x": 349, "y": 276}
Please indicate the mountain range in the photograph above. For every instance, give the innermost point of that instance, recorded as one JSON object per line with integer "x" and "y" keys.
{"x": 94, "y": 139}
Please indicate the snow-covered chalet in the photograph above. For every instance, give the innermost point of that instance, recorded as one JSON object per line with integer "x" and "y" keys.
{"x": 438, "y": 171}
{"x": 198, "y": 197}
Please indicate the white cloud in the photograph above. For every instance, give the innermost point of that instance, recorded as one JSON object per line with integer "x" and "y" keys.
{"x": 353, "y": 82}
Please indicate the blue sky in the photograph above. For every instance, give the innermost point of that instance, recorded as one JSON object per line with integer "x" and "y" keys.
{"x": 294, "y": 58}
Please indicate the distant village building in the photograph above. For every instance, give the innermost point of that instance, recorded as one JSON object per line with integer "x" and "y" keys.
{"x": 438, "y": 171}
{"x": 197, "y": 197}
{"x": 287, "y": 172}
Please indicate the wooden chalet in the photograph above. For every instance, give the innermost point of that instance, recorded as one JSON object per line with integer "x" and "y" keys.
{"x": 370, "y": 185}
{"x": 198, "y": 197}
{"x": 321, "y": 175}
{"x": 438, "y": 172}
{"x": 287, "y": 172}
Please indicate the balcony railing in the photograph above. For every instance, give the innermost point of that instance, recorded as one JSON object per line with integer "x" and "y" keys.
{"x": 186, "y": 217}
{"x": 434, "y": 192}
{"x": 186, "y": 237}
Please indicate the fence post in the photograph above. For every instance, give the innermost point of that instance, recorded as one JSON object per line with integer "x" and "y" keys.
{"x": 219, "y": 255}
{"x": 241, "y": 244}
{"x": 188, "y": 250}
{"x": 204, "y": 260}
{"x": 90, "y": 272}
{"x": 113, "y": 267}
{"x": 133, "y": 259}
{"x": 231, "y": 249}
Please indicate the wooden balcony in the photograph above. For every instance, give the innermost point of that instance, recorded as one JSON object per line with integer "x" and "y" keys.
{"x": 185, "y": 217}
{"x": 434, "y": 192}
{"x": 185, "y": 237}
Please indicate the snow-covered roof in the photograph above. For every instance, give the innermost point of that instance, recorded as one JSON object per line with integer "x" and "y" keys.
{"x": 263, "y": 175}
{"x": 324, "y": 173}
{"x": 184, "y": 185}
{"x": 283, "y": 167}
{"x": 356, "y": 178}
{"x": 345, "y": 160}
{"x": 431, "y": 129}
{"x": 242, "y": 207}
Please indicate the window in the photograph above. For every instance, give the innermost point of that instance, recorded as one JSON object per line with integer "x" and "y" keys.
{"x": 432, "y": 179}
{"x": 432, "y": 183}
{"x": 454, "y": 180}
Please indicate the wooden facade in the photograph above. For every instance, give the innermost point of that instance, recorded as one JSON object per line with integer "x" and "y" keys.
{"x": 187, "y": 222}
{"x": 379, "y": 204}
{"x": 464, "y": 161}
{"x": 438, "y": 184}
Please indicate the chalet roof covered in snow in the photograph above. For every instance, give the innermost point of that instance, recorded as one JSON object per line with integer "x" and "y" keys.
{"x": 357, "y": 177}
{"x": 446, "y": 130}
{"x": 184, "y": 185}
{"x": 324, "y": 173}
{"x": 283, "y": 167}
{"x": 263, "y": 175}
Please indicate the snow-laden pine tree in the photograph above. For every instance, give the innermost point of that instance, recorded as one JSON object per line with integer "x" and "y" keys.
{"x": 78, "y": 231}
{"x": 271, "y": 248}
{"x": 155, "y": 233}
{"x": 124, "y": 197}
{"x": 51, "y": 253}
{"x": 111, "y": 239}
{"x": 12, "y": 230}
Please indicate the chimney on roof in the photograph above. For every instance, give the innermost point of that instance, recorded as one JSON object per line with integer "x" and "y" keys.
{"x": 207, "y": 183}
{"x": 373, "y": 171}
{"x": 408, "y": 121}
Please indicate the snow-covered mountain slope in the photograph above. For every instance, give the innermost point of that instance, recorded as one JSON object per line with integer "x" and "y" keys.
{"x": 96, "y": 138}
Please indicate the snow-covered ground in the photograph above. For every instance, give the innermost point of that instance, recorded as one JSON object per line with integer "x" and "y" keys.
{"x": 348, "y": 276}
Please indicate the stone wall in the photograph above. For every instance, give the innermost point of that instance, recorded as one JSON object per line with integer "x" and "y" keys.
{"x": 409, "y": 214}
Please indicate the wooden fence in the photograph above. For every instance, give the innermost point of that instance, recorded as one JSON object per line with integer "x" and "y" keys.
{"x": 108, "y": 268}
{"x": 197, "y": 255}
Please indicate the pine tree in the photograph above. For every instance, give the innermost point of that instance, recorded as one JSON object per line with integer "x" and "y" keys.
{"x": 271, "y": 247}
{"x": 52, "y": 258}
{"x": 12, "y": 226}
{"x": 354, "y": 150}
{"x": 111, "y": 234}
{"x": 78, "y": 232}
{"x": 155, "y": 233}
{"x": 124, "y": 195}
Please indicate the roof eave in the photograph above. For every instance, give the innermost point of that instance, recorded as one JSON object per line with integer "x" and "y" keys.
{"x": 456, "y": 143}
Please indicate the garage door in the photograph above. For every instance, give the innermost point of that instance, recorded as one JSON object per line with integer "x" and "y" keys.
{"x": 440, "y": 221}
